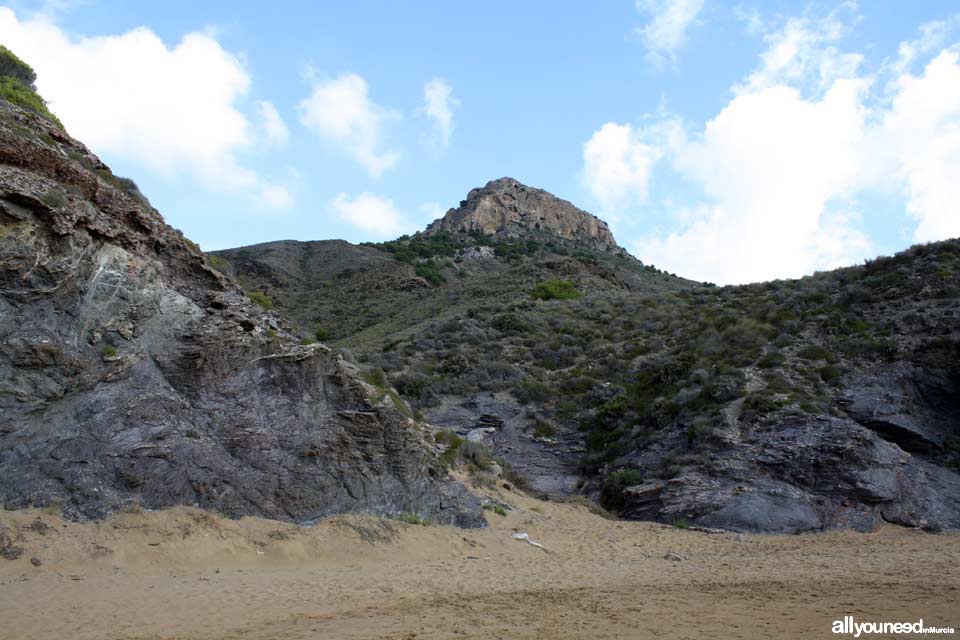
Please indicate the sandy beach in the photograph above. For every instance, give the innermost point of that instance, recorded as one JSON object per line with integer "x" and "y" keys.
{"x": 188, "y": 575}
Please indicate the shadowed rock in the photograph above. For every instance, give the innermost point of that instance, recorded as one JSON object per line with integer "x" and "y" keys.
{"x": 131, "y": 371}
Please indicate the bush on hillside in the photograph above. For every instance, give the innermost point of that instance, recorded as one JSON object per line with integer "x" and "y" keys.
{"x": 16, "y": 85}
{"x": 13, "y": 67}
{"x": 555, "y": 289}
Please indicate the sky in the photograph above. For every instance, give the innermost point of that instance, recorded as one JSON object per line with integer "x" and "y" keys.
{"x": 725, "y": 142}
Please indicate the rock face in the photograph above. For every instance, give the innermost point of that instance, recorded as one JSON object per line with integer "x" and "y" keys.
{"x": 133, "y": 372}
{"x": 815, "y": 473}
{"x": 509, "y": 209}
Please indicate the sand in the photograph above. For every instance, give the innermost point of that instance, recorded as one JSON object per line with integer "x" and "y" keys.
{"x": 188, "y": 575}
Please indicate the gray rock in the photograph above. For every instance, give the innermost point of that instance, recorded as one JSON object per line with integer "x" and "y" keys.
{"x": 507, "y": 208}
{"x": 132, "y": 371}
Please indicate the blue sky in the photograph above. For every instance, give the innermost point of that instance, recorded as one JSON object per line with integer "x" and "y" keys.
{"x": 728, "y": 142}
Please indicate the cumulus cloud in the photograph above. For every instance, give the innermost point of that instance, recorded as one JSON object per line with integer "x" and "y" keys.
{"x": 781, "y": 166}
{"x": 374, "y": 214}
{"x": 617, "y": 163}
{"x": 771, "y": 162}
{"x": 125, "y": 95}
{"x": 340, "y": 110}
{"x": 438, "y": 105}
{"x": 804, "y": 53}
{"x": 274, "y": 128}
{"x": 919, "y": 136}
{"x": 666, "y": 32}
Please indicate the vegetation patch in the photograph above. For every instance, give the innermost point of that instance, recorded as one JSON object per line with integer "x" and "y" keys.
{"x": 555, "y": 289}
{"x": 260, "y": 299}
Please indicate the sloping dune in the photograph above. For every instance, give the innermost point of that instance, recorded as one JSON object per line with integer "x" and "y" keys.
{"x": 185, "y": 574}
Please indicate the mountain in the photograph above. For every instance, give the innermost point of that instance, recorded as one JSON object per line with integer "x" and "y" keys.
{"x": 134, "y": 374}
{"x": 516, "y": 321}
{"x": 505, "y": 208}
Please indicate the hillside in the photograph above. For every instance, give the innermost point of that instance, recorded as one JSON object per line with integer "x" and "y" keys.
{"x": 829, "y": 401}
{"x": 133, "y": 374}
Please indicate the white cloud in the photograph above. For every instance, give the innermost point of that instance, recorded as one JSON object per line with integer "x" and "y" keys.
{"x": 274, "y": 128}
{"x": 132, "y": 96}
{"x": 803, "y": 53}
{"x": 666, "y": 32}
{"x": 372, "y": 213}
{"x": 772, "y": 163}
{"x": 438, "y": 105}
{"x": 919, "y": 138}
{"x": 781, "y": 166}
{"x": 276, "y": 196}
{"x": 617, "y": 164}
{"x": 341, "y": 110}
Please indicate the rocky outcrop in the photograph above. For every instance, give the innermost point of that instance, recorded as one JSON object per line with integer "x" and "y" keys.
{"x": 508, "y": 209}
{"x": 812, "y": 473}
{"x": 133, "y": 372}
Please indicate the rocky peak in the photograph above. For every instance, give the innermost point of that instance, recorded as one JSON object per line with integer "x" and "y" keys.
{"x": 507, "y": 208}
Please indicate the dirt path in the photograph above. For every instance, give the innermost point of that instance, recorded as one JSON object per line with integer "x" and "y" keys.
{"x": 184, "y": 574}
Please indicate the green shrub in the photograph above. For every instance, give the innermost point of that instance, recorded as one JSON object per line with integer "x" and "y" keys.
{"x": 376, "y": 377}
{"x": 532, "y": 391}
{"x": 830, "y": 373}
{"x": 497, "y": 509}
{"x": 771, "y": 359}
{"x": 543, "y": 429}
{"x": 15, "y": 92}
{"x": 509, "y": 322}
{"x": 322, "y": 334}
{"x": 430, "y": 272}
{"x": 612, "y": 494}
{"x": 555, "y": 289}
{"x": 814, "y": 352}
{"x": 260, "y": 299}
{"x": 449, "y": 438}
{"x": 413, "y": 518}
{"x": 108, "y": 351}
{"x": 54, "y": 199}
{"x": 13, "y": 67}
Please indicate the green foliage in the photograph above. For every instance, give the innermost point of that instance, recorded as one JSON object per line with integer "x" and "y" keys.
{"x": 555, "y": 289}
{"x": 54, "y": 199}
{"x": 532, "y": 392}
{"x": 771, "y": 359}
{"x": 497, "y": 509}
{"x": 108, "y": 351}
{"x": 509, "y": 322}
{"x": 543, "y": 430}
{"x": 681, "y": 523}
{"x": 411, "y": 386}
{"x": 15, "y": 92}
{"x": 814, "y": 352}
{"x": 421, "y": 246}
{"x": 430, "y": 272}
{"x": 830, "y": 373}
{"x": 376, "y": 377}
{"x": 126, "y": 185}
{"x": 260, "y": 299}
{"x": 413, "y": 518}
{"x": 13, "y": 67}
{"x": 216, "y": 262}
{"x": 448, "y": 438}
{"x": 612, "y": 493}
{"x": 322, "y": 334}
